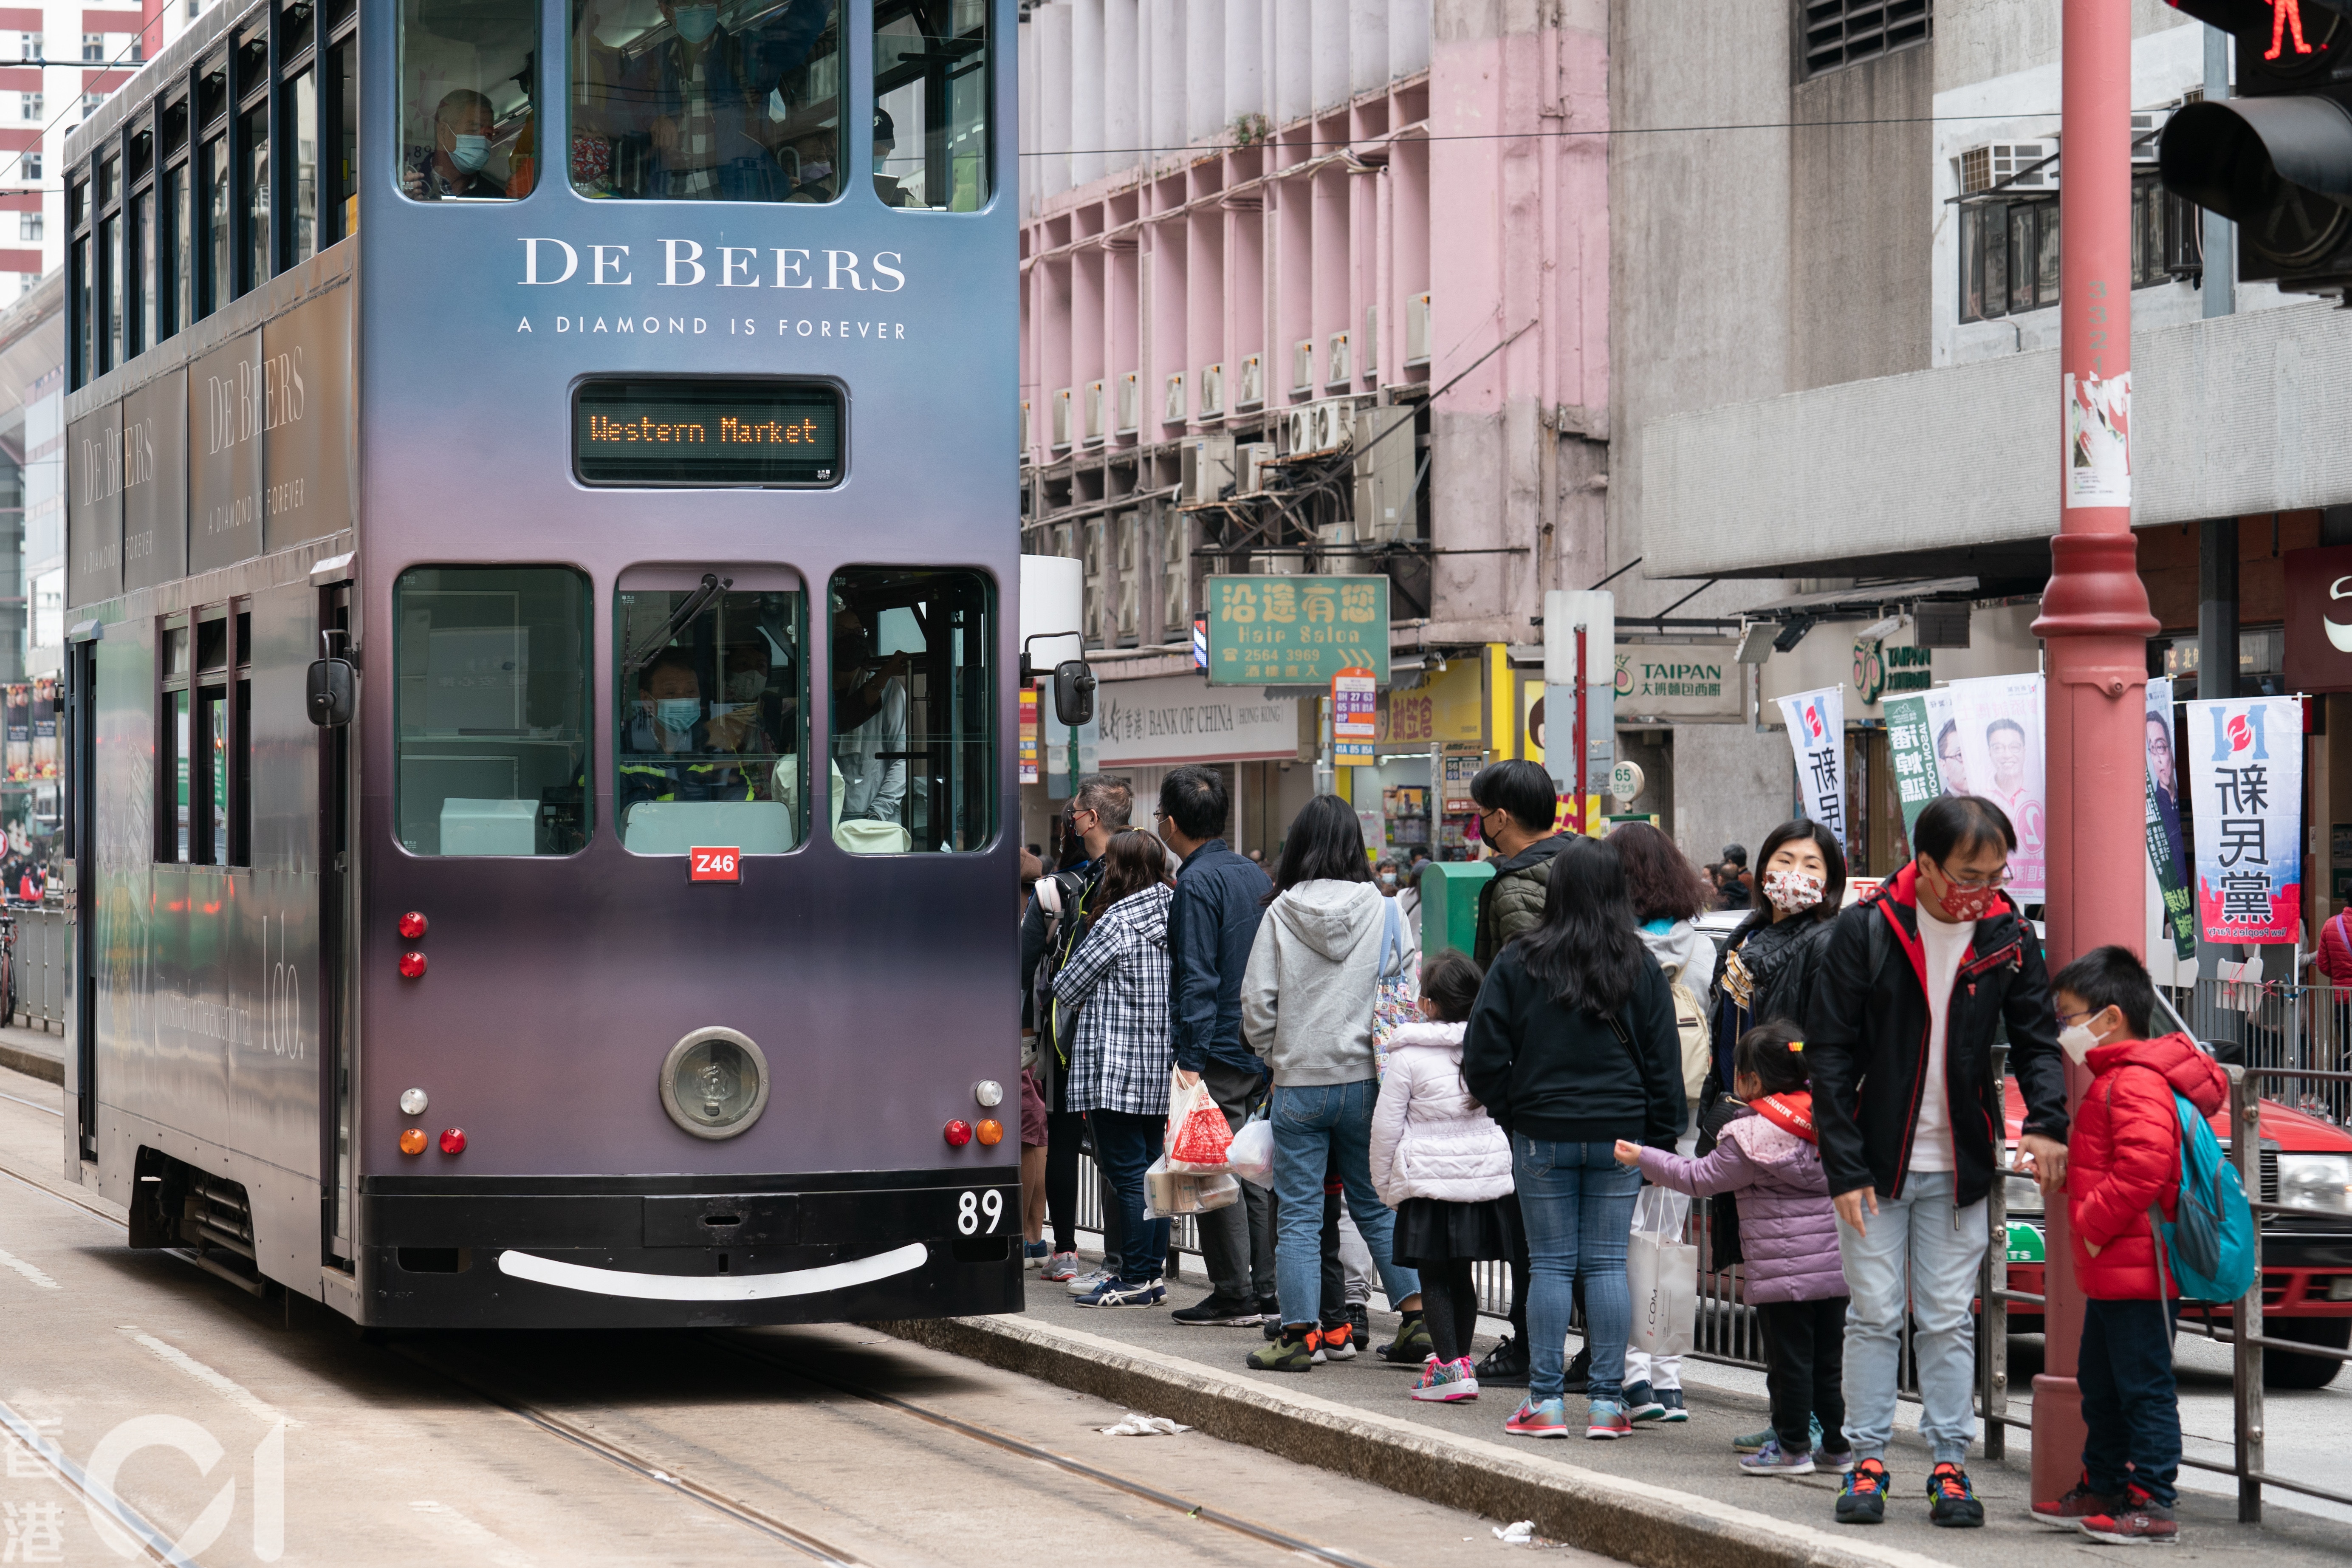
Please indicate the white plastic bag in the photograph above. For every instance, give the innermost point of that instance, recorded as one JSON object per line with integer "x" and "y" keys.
{"x": 1252, "y": 1155}
{"x": 1662, "y": 1270}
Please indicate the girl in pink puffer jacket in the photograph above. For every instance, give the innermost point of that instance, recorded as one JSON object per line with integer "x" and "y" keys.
{"x": 1441, "y": 1161}
{"x": 1768, "y": 1156}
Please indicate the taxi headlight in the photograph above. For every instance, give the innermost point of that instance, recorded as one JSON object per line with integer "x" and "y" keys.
{"x": 714, "y": 1083}
{"x": 2322, "y": 1182}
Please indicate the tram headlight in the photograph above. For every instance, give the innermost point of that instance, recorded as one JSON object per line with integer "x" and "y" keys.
{"x": 714, "y": 1083}
{"x": 413, "y": 1140}
{"x": 988, "y": 1093}
{"x": 957, "y": 1133}
{"x": 990, "y": 1132}
{"x": 413, "y": 1102}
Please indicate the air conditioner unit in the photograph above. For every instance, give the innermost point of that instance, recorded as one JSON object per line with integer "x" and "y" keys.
{"x": 1212, "y": 391}
{"x": 1249, "y": 467}
{"x": 1386, "y": 466}
{"x": 1090, "y": 614}
{"x": 1372, "y": 340}
{"x": 1336, "y": 427}
{"x": 1026, "y": 435}
{"x": 1335, "y": 545}
{"x": 1338, "y": 369}
{"x": 1302, "y": 366}
{"x": 1130, "y": 403}
{"x": 1249, "y": 389}
{"x": 1416, "y": 329}
{"x": 2146, "y": 124}
{"x": 2014, "y": 165}
{"x": 1175, "y": 577}
{"x": 1095, "y": 413}
{"x": 1205, "y": 468}
{"x": 1129, "y": 529}
{"x": 1314, "y": 429}
{"x": 1061, "y": 418}
{"x": 1298, "y": 429}
{"x": 1171, "y": 410}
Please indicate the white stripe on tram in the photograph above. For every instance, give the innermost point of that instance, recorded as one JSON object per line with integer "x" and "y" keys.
{"x": 713, "y": 1287}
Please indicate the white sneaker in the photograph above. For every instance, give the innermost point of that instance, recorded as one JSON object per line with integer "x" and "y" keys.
{"x": 1089, "y": 1279}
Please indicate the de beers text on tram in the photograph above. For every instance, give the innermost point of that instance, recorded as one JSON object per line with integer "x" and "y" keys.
{"x": 537, "y": 797}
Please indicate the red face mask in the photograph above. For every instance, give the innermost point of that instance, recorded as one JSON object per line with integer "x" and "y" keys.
{"x": 1960, "y": 905}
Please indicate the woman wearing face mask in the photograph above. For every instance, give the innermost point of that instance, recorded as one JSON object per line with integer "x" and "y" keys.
{"x": 1768, "y": 965}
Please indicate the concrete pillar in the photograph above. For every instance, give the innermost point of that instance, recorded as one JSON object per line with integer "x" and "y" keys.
{"x": 1328, "y": 54}
{"x": 1122, "y": 117}
{"x": 1408, "y": 37}
{"x": 1244, "y": 60}
{"x": 1052, "y": 86}
{"x": 1084, "y": 86}
{"x": 1293, "y": 63}
{"x": 1368, "y": 45}
{"x": 1204, "y": 69}
{"x": 1164, "y": 26}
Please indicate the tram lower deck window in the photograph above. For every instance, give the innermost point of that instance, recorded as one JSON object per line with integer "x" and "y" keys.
{"x": 490, "y": 711}
{"x": 709, "y": 730}
{"x": 912, "y": 765}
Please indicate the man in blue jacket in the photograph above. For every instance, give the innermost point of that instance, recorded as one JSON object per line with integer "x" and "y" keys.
{"x": 1210, "y": 925}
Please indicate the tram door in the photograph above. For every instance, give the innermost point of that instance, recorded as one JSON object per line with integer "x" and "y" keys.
{"x": 336, "y": 886}
{"x": 81, "y": 865}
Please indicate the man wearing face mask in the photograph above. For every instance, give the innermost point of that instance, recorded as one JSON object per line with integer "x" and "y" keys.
{"x": 453, "y": 165}
{"x": 704, "y": 93}
{"x": 1898, "y": 1042}
{"x": 667, "y": 751}
{"x": 869, "y": 720}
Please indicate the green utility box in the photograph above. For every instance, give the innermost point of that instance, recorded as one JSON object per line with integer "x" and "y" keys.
{"x": 1449, "y": 903}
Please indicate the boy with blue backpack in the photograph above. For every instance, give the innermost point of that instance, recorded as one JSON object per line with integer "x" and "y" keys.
{"x": 2125, "y": 1199}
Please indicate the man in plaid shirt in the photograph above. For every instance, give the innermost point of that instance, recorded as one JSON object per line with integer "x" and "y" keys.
{"x": 1120, "y": 1055}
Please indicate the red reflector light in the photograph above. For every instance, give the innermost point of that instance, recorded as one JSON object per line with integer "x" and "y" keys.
{"x": 412, "y": 925}
{"x": 991, "y": 1132}
{"x": 958, "y": 1133}
{"x": 413, "y": 1140}
{"x": 411, "y": 965}
{"x": 453, "y": 1139}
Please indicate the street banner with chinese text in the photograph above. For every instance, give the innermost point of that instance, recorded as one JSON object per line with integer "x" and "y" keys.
{"x": 2164, "y": 856}
{"x": 1816, "y": 721}
{"x": 1997, "y": 733}
{"x": 1296, "y": 631}
{"x": 1911, "y": 753}
{"x": 2245, "y": 766}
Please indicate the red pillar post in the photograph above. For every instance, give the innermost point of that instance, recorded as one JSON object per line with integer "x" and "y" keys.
{"x": 2095, "y": 619}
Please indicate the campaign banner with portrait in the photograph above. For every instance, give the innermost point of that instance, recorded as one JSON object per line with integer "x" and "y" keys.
{"x": 2245, "y": 770}
{"x": 1816, "y": 721}
{"x": 2165, "y": 856}
{"x": 1996, "y": 726}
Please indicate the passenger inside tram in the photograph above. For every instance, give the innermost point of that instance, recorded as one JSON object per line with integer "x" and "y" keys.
{"x": 454, "y": 166}
{"x": 709, "y": 750}
{"x": 869, "y": 743}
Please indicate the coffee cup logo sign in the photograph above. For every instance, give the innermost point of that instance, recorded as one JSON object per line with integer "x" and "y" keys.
{"x": 2319, "y": 618}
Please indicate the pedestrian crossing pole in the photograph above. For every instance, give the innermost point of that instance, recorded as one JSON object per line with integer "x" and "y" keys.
{"x": 2095, "y": 622}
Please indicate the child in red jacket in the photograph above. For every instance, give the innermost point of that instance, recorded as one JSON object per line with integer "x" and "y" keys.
{"x": 2123, "y": 1161}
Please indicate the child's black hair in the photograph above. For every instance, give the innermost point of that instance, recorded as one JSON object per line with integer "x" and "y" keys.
{"x": 2108, "y": 977}
{"x": 1773, "y": 1054}
{"x": 1450, "y": 981}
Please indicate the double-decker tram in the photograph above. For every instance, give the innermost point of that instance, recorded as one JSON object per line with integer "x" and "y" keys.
{"x": 541, "y": 572}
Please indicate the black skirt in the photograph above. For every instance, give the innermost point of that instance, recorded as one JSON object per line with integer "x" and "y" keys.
{"x": 1430, "y": 1231}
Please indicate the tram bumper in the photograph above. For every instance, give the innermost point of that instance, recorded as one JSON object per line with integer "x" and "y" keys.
{"x": 599, "y": 1253}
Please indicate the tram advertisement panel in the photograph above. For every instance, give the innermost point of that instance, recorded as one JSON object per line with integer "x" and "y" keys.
{"x": 155, "y": 489}
{"x": 94, "y": 506}
{"x": 225, "y": 456}
{"x": 306, "y": 421}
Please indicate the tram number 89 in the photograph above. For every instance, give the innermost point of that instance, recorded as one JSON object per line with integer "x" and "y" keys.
{"x": 971, "y": 1209}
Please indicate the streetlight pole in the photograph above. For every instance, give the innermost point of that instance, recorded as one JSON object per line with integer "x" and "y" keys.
{"x": 2096, "y": 622}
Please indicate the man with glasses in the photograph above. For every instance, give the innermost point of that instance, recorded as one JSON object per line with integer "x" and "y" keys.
{"x": 1914, "y": 985}
{"x": 1516, "y": 806}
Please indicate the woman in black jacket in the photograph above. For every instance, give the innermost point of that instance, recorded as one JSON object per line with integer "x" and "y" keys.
{"x": 1768, "y": 965}
{"x": 1572, "y": 1045}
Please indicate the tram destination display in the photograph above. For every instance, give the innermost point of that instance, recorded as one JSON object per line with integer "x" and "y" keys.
{"x": 706, "y": 433}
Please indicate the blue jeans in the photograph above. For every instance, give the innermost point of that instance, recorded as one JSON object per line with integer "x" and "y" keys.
{"x": 1920, "y": 1250}
{"x": 1577, "y": 1203}
{"x": 2131, "y": 1408}
{"x": 1124, "y": 1146}
{"x": 1316, "y": 1128}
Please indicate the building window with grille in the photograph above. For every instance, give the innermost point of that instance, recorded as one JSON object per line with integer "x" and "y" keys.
{"x": 93, "y": 46}
{"x": 28, "y": 105}
{"x": 29, "y": 169}
{"x": 2010, "y": 249}
{"x": 28, "y": 46}
{"x": 29, "y": 227}
{"x": 1832, "y": 33}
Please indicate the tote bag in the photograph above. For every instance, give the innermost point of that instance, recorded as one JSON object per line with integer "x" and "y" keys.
{"x": 1662, "y": 1270}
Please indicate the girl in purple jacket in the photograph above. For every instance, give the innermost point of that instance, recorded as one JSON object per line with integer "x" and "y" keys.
{"x": 1767, "y": 1155}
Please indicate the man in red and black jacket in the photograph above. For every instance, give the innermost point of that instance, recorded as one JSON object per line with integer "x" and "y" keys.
{"x": 1898, "y": 1043}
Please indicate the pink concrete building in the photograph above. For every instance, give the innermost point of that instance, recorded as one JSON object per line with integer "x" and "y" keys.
{"x": 1260, "y": 233}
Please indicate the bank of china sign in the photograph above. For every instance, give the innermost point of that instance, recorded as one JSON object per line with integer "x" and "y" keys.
{"x": 1677, "y": 680}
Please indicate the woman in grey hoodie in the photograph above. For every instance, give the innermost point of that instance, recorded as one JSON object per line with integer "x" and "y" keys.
{"x": 1306, "y": 1009}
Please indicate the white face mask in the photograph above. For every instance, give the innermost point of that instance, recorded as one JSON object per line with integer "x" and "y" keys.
{"x": 469, "y": 152}
{"x": 2077, "y": 1041}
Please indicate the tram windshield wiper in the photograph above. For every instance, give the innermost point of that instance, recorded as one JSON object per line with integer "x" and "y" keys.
{"x": 692, "y": 606}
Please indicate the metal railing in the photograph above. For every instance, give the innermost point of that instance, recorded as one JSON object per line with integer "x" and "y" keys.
{"x": 2278, "y": 1025}
{"x": 43, "y": 967}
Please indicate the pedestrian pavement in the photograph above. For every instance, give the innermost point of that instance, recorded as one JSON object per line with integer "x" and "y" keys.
{"x": 33, "y": 1052}
{"x": 1693, "y": 1461}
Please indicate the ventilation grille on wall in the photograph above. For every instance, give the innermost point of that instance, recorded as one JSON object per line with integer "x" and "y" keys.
{"x": 1842, "y": 32}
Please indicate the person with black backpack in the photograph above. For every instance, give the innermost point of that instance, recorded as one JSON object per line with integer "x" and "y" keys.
{"x": 1060, "y": 911}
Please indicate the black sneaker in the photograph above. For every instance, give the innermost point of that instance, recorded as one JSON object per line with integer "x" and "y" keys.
{"x": 1220, "y": 1312}
{"x": 1951, "y": 1501}
{"x": 1412, "y": 1347}
{"x": 1506, "y": 1366}
{"x": 1862, "y": 1499}
{"x": 1361, "y": 1321}
{"x": 1578, "y": 1374}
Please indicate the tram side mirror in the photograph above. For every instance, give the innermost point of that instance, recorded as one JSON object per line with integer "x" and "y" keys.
{"x": 1074, "y": 692}
{"x": 333, "y": 692}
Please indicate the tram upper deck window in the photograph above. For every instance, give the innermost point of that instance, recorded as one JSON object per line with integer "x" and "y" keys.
{"x": 490, "y": 713}
{"x": 930, "y": 104}
{"x": 710, "y": 731}
{"x": 465, "y": 99}
{"x": 692, "y": 101}
{"x": 914, "y": 716}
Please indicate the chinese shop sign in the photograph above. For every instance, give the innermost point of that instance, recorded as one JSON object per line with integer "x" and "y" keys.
{"x": 1296, "y": 631}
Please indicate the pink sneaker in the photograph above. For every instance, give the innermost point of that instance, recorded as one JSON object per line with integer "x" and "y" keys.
{"x": 1447, "y": 1383}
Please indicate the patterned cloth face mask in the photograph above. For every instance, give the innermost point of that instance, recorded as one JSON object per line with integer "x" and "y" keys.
{"x": 1791, "y": 890}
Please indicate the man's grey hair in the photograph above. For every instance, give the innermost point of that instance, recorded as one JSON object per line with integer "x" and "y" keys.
{"x": 1109, "y": 797}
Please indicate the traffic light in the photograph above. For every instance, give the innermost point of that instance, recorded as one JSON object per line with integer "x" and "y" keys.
{"x": 2276, "y": 159}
